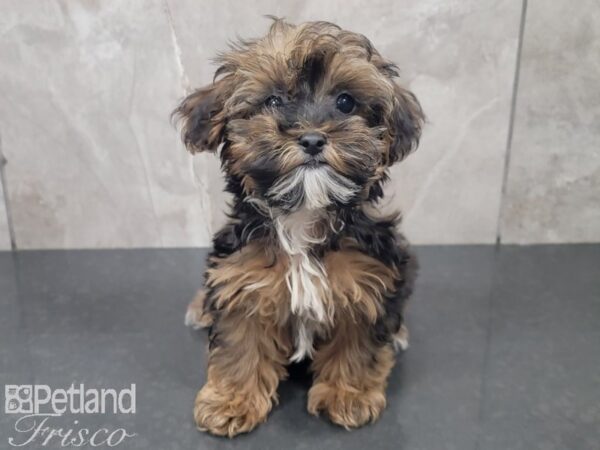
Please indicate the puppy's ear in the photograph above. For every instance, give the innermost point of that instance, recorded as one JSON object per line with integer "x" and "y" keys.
{"x": 404, "y": 124}
{"x": 203, "y": 117}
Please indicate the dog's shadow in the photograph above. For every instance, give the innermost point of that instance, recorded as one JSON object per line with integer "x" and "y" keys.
{"x": 300, "y": 379}
{"x": 298, "y": 382}
{"x": 293, "y": 395}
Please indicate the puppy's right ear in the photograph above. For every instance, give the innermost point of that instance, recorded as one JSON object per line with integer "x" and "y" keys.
{"x": 203, "y": 116}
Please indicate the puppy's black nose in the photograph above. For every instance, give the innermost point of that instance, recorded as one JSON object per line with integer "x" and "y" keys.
{"x": 312, "y": 142}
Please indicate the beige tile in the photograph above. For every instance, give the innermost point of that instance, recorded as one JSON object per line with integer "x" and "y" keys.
{"x": 553, "y": 190}
{"x": 87, "y": 89}
{"x": 457, "y": 56}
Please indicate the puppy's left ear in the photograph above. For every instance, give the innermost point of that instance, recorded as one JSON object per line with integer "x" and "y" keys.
{"x": 404, "y": 124}
{"x": 203, "y": 116}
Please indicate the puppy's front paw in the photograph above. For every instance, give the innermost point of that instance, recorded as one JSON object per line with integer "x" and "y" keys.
{"x": 195, "y": 316}
{"x": 347, "y": 407}
{"x": 228, "y": 412}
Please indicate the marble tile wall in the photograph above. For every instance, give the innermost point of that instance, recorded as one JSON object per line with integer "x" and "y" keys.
{"x": 93, "y": 161}
{"x": 553, "y": 188}
{"x": 458, "y": 57}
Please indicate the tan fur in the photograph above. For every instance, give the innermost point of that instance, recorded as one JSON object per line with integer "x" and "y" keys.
{"x": 248, "y": 301}
{"x": 253, "y": 343}
{"x": 251, "y": 280}
{"x": 350, "y": 370}
{"x": 243, "y": 373}
{"x": 250, "y": 72}
{"x": 196, "y": 315}
{"x": 357, "y": 282}
{"x": 351, "y": 376}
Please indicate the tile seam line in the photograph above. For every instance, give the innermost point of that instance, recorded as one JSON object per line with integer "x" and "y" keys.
{"x": 511, "y": 122}
{"x": 485, "y": 367}
{"x": 7, "y": 208}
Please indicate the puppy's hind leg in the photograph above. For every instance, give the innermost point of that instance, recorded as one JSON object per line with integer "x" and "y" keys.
{"x": 400, "y": 339}
{"x": 196, "y": 316}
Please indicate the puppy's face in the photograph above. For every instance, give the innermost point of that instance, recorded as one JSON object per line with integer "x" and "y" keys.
{"x": 309, "y": 116}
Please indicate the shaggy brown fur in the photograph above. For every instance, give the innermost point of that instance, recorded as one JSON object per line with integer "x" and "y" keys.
{"x": 304, "y": 268}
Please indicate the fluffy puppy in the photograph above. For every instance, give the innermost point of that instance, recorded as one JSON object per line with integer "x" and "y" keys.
{"x": 306, "y": 121}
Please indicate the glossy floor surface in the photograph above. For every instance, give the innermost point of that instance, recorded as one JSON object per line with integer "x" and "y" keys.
{"x": 505, "y": 351}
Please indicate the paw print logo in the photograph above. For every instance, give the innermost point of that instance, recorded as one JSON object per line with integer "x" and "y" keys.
{"x": 18, "y": 399}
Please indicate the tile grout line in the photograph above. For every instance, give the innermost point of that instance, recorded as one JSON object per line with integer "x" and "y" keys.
{"x": 3, "y": 183}
{"x": 511, "y": 121}
{"x": 186, "y": 87}
{"x": 184, "y": 80}
{"x": 485, "y": 367}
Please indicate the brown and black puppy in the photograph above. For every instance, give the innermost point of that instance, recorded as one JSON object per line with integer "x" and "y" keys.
{"x": 308, "y": 119}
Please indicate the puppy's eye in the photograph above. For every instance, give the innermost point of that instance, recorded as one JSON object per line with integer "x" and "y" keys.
{"x": 345, "y": 103}
{"x": 273, "y": 101}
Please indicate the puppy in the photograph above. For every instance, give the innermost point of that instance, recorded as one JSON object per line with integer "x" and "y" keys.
{"x": 306, "y": 120}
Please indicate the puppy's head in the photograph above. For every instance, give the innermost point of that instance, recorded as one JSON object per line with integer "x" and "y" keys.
{"x": 308, "y": 115}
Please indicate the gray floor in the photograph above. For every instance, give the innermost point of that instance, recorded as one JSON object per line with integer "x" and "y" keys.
{"x": 505, "y": 350}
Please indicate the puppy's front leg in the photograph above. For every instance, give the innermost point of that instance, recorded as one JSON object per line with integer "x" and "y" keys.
{"x": 244, "y": 369}
{"x": 351, "y": 376}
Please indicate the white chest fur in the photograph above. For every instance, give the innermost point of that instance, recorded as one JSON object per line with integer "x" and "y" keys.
{"x": 306, "y": 277}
